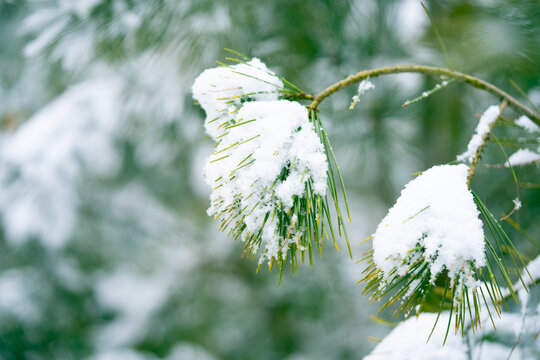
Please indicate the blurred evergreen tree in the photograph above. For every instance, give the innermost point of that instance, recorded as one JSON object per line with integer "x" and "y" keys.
{"x": 102, "y": 145}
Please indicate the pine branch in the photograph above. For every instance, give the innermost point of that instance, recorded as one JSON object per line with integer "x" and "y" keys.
{"x": 429, "y": 70}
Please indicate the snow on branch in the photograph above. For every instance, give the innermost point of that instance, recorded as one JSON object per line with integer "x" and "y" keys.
{"x": 221, "y": 91}
{"x": 435, "y": 218}
{"x": 263, "y": 171}
{"x": 482, "y": 129}
{"x": 523, "y": 157}
{"x": 270, "y": 168}
{"x": 527, "y": 124}
{"x": 408, "y": 341}
{"x": 432, "y": 231}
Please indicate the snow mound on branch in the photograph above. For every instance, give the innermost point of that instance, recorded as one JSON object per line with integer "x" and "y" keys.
{"x": 488, "y": 118}
{"x": 523, "y": 157}
{"x": 263, "y": 160}
{"x": 408, "y": 341}
{"x": 222, "y": 90}
{"x": 527, "y": 124}
{"x": 436, "y": 215}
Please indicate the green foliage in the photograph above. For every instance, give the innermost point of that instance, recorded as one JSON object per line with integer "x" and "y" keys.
{"x": 213, "y": 301}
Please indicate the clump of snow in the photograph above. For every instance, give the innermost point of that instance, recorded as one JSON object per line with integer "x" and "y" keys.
{"x": 523, "y": 157}
{"x": 221, "y": 91}
{"x": 364, "y": 86}
{"x": 435, "y": 217}
{"x": 533, "y": 268}
{"x": 527, "y": 124}
{"x": 266, "y": 158}
{"x": 409, "y": 341}
{"x": 517, "y": 203}
{"x": 482, "y": 129}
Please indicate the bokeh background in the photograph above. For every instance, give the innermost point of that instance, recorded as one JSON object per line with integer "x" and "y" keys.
{"x": 106, "y": 251}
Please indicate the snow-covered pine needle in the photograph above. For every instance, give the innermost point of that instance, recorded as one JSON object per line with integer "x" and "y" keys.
{"x": 433, "y": 233}
{"x": 426, "y": 94}
{"x": 275, "y": 201}
{"x": 482, "y": 130}
{"x": 364, "y": 86}
{"x": 271, "y": 165}
{"x": 221, "y": 91}
{"x": 517, "y": 203}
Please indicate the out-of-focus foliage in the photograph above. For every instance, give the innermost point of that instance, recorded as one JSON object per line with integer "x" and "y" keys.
{"x": 106, "y": 251}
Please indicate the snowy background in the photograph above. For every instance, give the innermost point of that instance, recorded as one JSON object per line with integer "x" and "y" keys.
{"x": 106, "y": 251}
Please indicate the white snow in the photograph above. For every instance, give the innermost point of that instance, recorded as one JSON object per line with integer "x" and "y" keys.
{"x": 365, "y": 85}
{"x": 523, "y": 157}
{"x": 527, "y": 124}
{"x": 16, "y": 296}
{"x": 75, "y": 50}
{"x": 245, "y": 168}
{"x": 45, "y": 38}
{"x": 134, "y": 297}
{"x": 488, "y": 117}
{"x": 409, "y": 341}
{"x": 222, "y": 90}
{"x": 533, "y": 267}
{"x": 435, "y": 211}
{"x": 45, "y": 159}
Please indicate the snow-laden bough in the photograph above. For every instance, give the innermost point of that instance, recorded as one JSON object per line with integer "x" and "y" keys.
{"x": 268, "y": 173}
{"x": 271, "y": 166}
{"x": 434, "y": 218}
{"x": 432, "y": 232}
{"x": 433, "y": 238}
